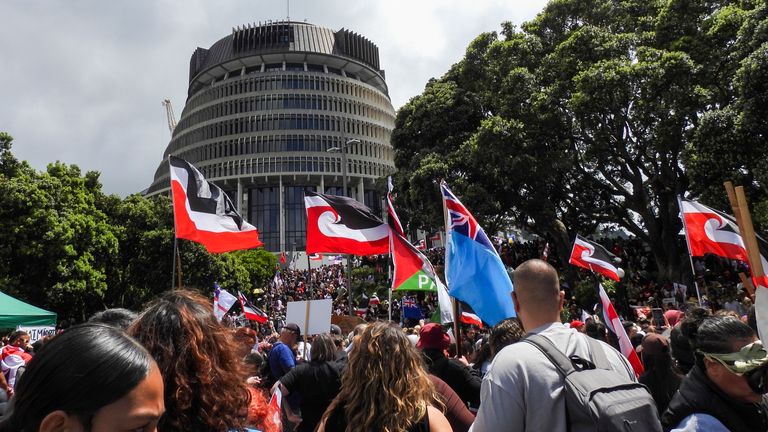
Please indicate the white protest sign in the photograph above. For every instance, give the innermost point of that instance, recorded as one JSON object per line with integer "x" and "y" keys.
{"x": 37, "y": 332}
{"x": 319, "y": 315}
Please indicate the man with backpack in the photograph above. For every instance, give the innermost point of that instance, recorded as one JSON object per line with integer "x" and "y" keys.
{"x": 558, "y": 379}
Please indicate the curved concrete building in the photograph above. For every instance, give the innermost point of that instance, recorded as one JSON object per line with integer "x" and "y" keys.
{"x": 267, "y": 111}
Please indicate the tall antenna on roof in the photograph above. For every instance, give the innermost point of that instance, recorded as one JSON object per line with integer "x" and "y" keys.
{"x": 287, "y": 10}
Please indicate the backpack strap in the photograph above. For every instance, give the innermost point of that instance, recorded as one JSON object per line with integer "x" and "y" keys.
{"x": 598, "y": 354}
{"x": 561, "y": 362}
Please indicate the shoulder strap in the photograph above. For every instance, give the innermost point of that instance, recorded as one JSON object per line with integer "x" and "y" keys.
{"x": 598, "y": 354}
{"x": 561, "y": 362}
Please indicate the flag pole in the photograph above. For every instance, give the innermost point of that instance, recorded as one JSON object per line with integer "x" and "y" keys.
{"x": 456, "y": 316}
{"x": 688, "y": 245}
{"x": 173, "y": 261}
{"x": 755, "y": 258}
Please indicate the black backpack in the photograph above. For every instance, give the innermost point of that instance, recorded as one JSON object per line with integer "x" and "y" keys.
{"x": 597, "y": 398}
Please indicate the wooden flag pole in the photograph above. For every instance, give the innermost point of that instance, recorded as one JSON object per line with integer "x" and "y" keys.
{"x": 755, "y": 261}
{"x": 747, "y": 284}
{"x": 748, "y": 234}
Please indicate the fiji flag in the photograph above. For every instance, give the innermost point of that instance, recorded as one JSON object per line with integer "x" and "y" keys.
{"x": 473, "y": 269}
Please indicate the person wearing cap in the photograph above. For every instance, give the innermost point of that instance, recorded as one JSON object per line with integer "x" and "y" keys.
{"x": 433, "y": 341}
{"x": 659, "y": 376}
{"x": 726, "y": 389}
{"x": 341, "y": 353}
{"x": 578, "y": 326}
{"x": 281, "y": 358}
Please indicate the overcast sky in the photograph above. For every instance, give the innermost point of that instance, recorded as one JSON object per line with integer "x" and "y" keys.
{"x": 82, "y": 81}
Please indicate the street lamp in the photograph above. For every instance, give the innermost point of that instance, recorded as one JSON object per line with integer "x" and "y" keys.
{"x": 343, "y": 151}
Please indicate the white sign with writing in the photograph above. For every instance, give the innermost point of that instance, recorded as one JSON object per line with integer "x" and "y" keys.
{"x": 37, "y": 332}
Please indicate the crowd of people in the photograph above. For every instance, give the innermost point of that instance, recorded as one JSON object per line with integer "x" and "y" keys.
{"x": 174, "y": 366}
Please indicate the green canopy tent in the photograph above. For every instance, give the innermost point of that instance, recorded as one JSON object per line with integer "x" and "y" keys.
{"x": 14, "y": 312}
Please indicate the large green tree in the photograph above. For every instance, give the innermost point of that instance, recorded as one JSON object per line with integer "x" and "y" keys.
{"x": 68, "y": 247}
{"x": 595, "y": 112}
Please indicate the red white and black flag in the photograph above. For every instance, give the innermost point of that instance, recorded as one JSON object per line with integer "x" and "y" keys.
{"x": 712, "y": 232}
{"x": 251, "y": 312}
{"x": 337, "y": 224}
{"x": 204, "y": 214}
{"x": 468, "y": 315}
{"x": 613, "y": 322}
{"x": 592, "y": 256}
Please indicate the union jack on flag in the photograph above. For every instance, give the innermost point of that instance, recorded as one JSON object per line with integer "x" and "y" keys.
{"x": 409, "y": 302}
{"x": 461, "y": 220}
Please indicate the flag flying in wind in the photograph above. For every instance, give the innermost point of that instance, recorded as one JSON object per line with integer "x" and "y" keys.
{"x": 337, "y": 224}
{"x": 204, "y": 214}
{"x": 316, "y": 257}
{"x": 251, "y": 312}
{"x": 222, "y": 302}
{"x": 468, "y": 315}
{"x": 714, "y": 232}
{"x": 473, "y": 268}
{"x": 592, "y": 256}
{"x": 394, "y": 221}
{"x": 412, "y": 270}
{"x": 613, "y": 323}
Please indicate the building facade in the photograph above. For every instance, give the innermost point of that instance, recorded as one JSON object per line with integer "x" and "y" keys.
{"x": 269, "y": 109}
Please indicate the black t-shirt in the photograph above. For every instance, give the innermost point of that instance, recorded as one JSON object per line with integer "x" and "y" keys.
{"x": 317, "y": 383}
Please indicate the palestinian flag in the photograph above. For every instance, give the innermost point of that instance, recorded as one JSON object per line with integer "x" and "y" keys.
{"x": 203, "y": 213}
{"x": 412, "y": 270}
{"x": 337, "y": 224}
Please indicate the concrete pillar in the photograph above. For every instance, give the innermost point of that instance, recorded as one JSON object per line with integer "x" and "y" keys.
{"x": 322, "y": 184}
{"x": 361, "y": 191}
{"x": 239, "y": 202}
{"x": 282, "y": 213}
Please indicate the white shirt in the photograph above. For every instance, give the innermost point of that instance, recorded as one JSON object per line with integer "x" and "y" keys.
{"x": 523, "y": 390}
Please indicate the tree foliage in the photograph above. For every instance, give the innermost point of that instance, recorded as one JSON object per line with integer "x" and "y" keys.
{"x": 595, "y": 112}
{"x": 67, "y": 247}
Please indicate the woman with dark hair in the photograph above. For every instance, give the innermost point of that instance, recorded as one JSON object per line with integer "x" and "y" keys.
{"x": 316, "y": 382}
{"x": 205, "y": 388}
{"x": 660, "y": 375}
{"x": 725, "y": 389}
{"x": 384, "y": 387}
{"x": 92, "y": 377}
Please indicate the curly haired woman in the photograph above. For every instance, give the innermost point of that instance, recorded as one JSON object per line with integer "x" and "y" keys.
{"x": 384, "y": 387}
{"x": 205, "y": 387}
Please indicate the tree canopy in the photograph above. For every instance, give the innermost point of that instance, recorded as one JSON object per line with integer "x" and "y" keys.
{"x": 67, "y": 247}
{"x": 597, "y": 112}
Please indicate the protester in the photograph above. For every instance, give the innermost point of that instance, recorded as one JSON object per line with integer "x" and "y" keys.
{"x": 316, "y": 382}
{"x": 660, "y": 376}
{"x": 384, "y": 387}
{"x": 523, "y": 391}
{"x": 281, "y": 358}
{"x": 725, "y": 390}
{"x": 13, "y": 360}
{"x": 116, "y": 317}
{"x": 205, "y": 381}
{"x": 92, "y": 377}
{"x": 459, "y": 416}
{"x": 433, "y": 341}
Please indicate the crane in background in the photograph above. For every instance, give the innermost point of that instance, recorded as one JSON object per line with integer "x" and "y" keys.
{"x": 169, "y": 114}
